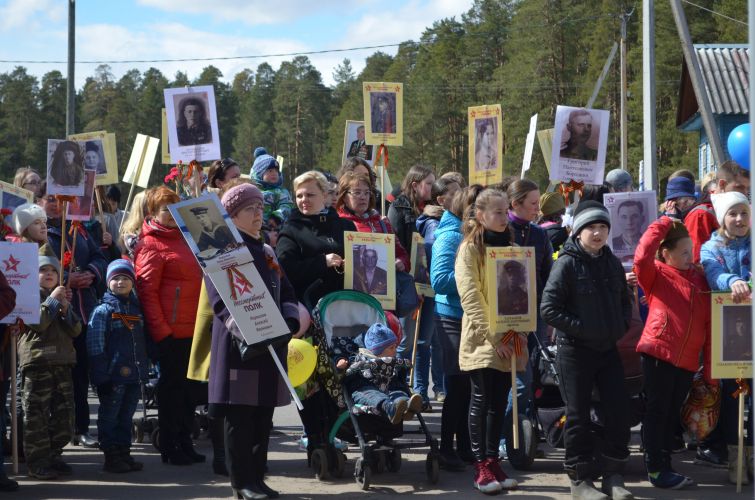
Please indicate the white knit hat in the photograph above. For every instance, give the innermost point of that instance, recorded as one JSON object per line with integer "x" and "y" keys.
{"x": 25, "y": 214}
{"x": 723, "y": 202}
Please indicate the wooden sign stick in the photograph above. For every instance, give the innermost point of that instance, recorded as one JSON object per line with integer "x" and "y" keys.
{"x": 514, "y": 402}
{"x": 740, "y": 439}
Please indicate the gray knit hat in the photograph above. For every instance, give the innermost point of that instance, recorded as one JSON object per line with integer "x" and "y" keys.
{"x": 590, "y": 212}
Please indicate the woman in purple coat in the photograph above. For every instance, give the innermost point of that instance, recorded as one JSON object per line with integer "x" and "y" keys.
{"x": 246, "y": 393}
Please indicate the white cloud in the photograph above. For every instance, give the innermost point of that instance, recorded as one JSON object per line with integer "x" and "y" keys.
{"x": 25, "y": 13}
{"x": 249, "y": 12}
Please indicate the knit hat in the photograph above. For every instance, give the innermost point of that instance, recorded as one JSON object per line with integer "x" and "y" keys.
{"x": 723, "y": 202}
{"x": 678, "y": 231}
{"x": 619, "y": 179}
{"x": 589, "y": 212}
{"x": 47, "y": 258}
{"x": 678, "y": 187}
{"x": 378, "y": 338}
{"x": 118, "y": 267}
{"x": 551, "y": 203}
{"x": 25, "y": 214}
{"x": 262, "y": 163}
{"x": 239, "y": 197}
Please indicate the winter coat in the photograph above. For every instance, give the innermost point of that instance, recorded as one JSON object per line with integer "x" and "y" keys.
{"x": 255, "y": 382}
{"x": 530, "y": 235}
{"x": 116, "y": 342}
{"x": 373, "y": 222}
{"x": 49, "y": 342}
{"x": 586, "y": 298}
{"x": 678, "y": 325}
{"x": 168, "y": 280}
{"x": 277, "y": 202}
{"x": 448, "y": 237}
{"x": 303, "y": 243}
{"x": 478, "y": 341}
{"x": 368, "y": 369}
{"x": 403, "y": 219}
{"x": 726, "y": 261}
{"x": 87, "y": 257}
{"x": 427, "y": 224}
{"x": 7, "y": 297}
{"x": 557, "y": 234}
{"x": 94, "y": 229}
{"x": 700, "y": 222}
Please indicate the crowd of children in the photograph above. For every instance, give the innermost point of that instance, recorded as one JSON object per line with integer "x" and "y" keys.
{"x": 93, "y": 329}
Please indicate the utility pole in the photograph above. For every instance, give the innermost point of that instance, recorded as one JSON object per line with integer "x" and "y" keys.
{"x": 698, "y": 84}
{"x": 650, "y": 180}
{"x": 751, "y": 91}
{"x": 623, "y": 105}
{"x": 70, "y": 84}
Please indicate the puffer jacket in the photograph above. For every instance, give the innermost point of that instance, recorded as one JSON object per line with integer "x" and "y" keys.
{"x": 168, "y": 281}
{"x": 403, "y": 219}
{"x": 678, "y": 325}
{"x": 116, "y": 342}
{"x": 427, "y": 225}
{"x": 368, "y": 369}
{"x": 726, "y": 262}
{"x": 448, "y": 237}
{"x": 586, "y": 298}
{"x": 373, "y": 222}
{"x": 50, "y": 342}
{"x": 700, "y": 223}
{"x": 478, "y": 341}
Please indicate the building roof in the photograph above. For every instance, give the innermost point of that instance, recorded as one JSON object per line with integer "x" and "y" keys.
{"x": 725, "y": 70}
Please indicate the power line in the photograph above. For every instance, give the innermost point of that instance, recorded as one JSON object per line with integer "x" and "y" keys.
{"x": 714, "y": 12}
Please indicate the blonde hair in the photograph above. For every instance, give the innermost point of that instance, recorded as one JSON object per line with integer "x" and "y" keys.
{"x": 21, "y": 175}
{"x": 135, "y": 218}
{"x": 312, "y": 175}
{"x": 473, "y": 228}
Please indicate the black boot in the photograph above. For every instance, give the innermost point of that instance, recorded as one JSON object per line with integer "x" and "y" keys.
{"x": 187, "y": 447}
{"x": 126, "y": 456}
{"x": 170, "y": 452}
{"x": 114, "y": 461}
{"x": 218, "y": 446}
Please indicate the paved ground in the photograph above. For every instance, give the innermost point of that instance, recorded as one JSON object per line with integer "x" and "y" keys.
{"x": 289, "y": 474}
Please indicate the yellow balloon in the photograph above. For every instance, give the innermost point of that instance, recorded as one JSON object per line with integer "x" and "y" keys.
{"x": 301, "y": 361}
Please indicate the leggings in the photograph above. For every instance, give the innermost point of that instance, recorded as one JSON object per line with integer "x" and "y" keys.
{"x": 486, "y": 410}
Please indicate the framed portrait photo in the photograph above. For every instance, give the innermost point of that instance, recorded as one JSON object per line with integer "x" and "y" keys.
{"x": 65, "y": 168}
{"x": 383, "y": 113}
{"x": 12, "y": 196}
{"x": 512, "y": 288}
{"x": 631, "y": 214}
{"x": 193, "y": 132}
{"x": 82, "y": 209}
{"x": 580, "y": 139}
{"x": 355, "y": 143}
{"x": 420, "y": 270}
{"x": 370, "y": 265}
{"x": 164, "y": 140}
{"x": 731, "y": 337}
{"x": 485, "y": 144}
{"x": 100, "y": 155}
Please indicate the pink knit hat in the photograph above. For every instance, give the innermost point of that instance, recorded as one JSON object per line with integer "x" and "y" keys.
{"x": 239, "y": 197}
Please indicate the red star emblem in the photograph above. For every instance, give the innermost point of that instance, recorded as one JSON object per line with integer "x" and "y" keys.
{"x": 387, "y": 239}
{"x": 610, "y": 199}
{"x": 368, "y": 87}
{"x": 528, "y": 253}
{"x": 492, "y": 254}
{"x": 497, "y": 111}
{"x": 241, "y": 286}
{"x": 719, "y": 300}
{"x": 350, "y": 237}
{"x": 398, "y": 89}
{"x": 11, "y": 264}
{"x": 473, "y": 114}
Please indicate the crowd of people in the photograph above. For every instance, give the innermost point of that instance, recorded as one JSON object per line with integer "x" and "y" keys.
{"x": 129, "y": 293}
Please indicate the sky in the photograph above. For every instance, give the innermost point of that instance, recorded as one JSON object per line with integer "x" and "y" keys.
{"x": 118, "y": 30}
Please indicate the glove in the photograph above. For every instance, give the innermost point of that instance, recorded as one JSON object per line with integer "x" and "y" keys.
{"x": 104, "y": 390}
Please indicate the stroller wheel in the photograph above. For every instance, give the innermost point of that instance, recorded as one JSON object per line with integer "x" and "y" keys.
{"x": 156, "y": 438}
{"x": 381, "y": 460}
{"x": 523, "y": 457}
{"x": 137, "y": 431}
{"x": 394, "y": 460}
{"x": 432, "y": 467}
{"x": 196, "y": 427}
{"x": 362, "y": 474}
{"x": 340, "y": 465}
{"x": 319, "y": 461}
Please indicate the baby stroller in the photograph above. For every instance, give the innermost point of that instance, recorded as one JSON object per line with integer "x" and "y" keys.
{"x": 339, "y": 320}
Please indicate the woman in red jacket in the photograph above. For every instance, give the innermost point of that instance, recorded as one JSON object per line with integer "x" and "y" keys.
{"x": 676, "y": 332}
{"x": 168, "y": 281}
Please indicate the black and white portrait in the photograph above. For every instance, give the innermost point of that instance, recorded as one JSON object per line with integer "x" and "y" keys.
{"x": 737, "y": 334}
{"x": 65, "y": 168}
{"x": 207, "y": 229}
{"x": 370, "y": 275}
{"x": 513, "y": 295}
{"x": 486, "y": 144}
{"x": 383, "y": 112}
{"x": 192, "y": 124}
{"x": 580, "y": 140}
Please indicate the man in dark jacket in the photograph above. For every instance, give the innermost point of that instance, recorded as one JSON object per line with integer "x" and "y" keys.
{"x": 587, "y": 301}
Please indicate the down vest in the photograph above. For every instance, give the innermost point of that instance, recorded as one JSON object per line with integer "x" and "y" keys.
{"x": 678, "y": 324}
{"x": 168, "y": 281}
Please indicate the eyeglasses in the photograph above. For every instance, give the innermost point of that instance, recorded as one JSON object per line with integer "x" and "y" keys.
{"x": 257, "y": 207}
{"x": 359, "y": 194}
{"x": 31, "y": 183}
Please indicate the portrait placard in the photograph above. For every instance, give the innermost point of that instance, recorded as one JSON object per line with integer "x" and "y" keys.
{"x": 141, "y": 161}
{"x": 512, "y": 292}
{"x": 383, "y": 113}
{"x": 193, "y": 132}
{"x": 165, "y": 142}
{"x": 731, "y": 337}
{"x": 529, "y": 145}
{"x": 355, "y": 144}
{"x": 370, "y": 265}
{"x": 100, "y": 155}
{"x": 580, "y": 140}
{"x": 12, "y": 196}
{"x": 631, "y": 214}
{"x": 65, "y": 168}
{"x": 485, "y": 144}
{"x": 82, "y": 209}
{"x": 209, "y": 232}
{"x": 545, "y": 139}
{"x": 20, "y": 265}
{"x": 279, "y": 159}
{"x": 420, "y": 271}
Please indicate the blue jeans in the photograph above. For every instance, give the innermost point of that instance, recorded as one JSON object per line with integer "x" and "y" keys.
{"x": 429, "y": 351}
{"x": 369, "y": 395}
{"x": 115, "y": 415}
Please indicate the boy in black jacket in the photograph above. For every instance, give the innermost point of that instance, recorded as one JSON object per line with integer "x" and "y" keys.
{"x": 586, "y": 300}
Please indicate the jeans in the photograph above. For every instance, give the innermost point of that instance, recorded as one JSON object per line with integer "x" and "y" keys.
{"x": 486, "y": 411}
{"x": 666, "y": 388}
{"x": 369, "y": 395}
{"x": 429, "y": 355}
{"x": 115, "y": 415}
{"x": 581, "y": 369}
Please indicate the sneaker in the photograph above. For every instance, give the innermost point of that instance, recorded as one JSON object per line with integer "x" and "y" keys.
{"x": 42, "y": 473}
{"x": 415, "y": 406}
{"x": 338, "y": 445}
{"x": 62, "y": 468}
{"x": 484, "y": 480}
{"x": 395, "y": 410}
{"x": 440, "y": 397}
{"x": 669, "y": 480}
{"x": 303, "y": 441}
{"x": 710, "y": 458}
{"x": 494, "y": 466}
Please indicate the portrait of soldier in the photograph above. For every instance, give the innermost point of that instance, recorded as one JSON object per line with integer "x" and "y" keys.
{"x": 580, "y": 131}
{"x": 368, "y": 277}
{"x": 67, "y": 169}
{"x": 359, "y": 148}
{"x": 629, "y": 224}
{"x": 512, "y": 288}
{"x": 192, "y": 124}
{"x": 738, "y": 341}
{"x": 93, "y": 159}
{"x": 214, "y": 236}
{"x": 383, "y": 113}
